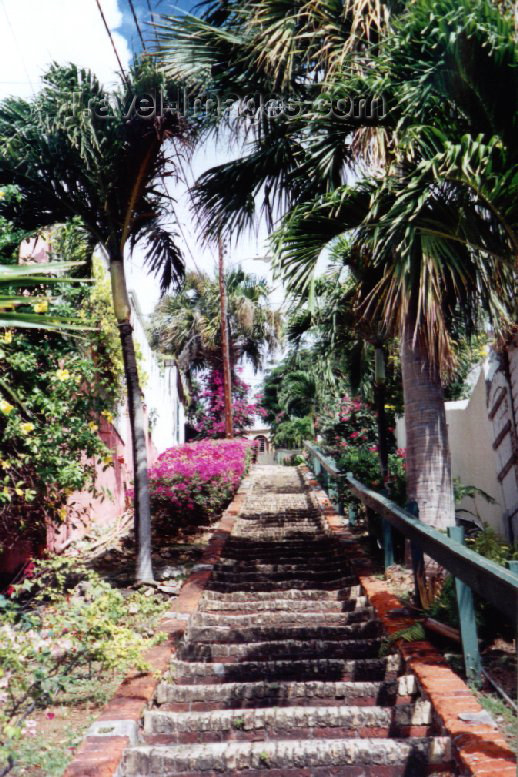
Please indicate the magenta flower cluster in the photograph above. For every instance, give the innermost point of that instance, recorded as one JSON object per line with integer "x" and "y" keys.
{"x": 211, "y": 420}
{"x": 198, "y": 478}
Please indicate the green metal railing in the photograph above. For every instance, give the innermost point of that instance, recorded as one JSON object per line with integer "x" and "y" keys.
{"x": 472, "y": 572}
{"x": 328, "y": 475}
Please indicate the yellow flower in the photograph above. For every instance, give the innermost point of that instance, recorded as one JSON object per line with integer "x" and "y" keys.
{"x": 4, "y": 464}
{"x": 108, "y": 459}
{"x": 2, "y": 194}
{"x": 41, "y": 307}
{"x": 390, "y": 407}
{"x": 27, "y": 427}
{"x": 62, "y": 513}
{"x": 108, "y": 416}
{"x": 62, "y": 375}
{"x": 8, "y": 337}
{"x": 18, "y": 491}
{"x": 6, "y": 491}
{"x": 5, "y": 407}
{"x": 92, "y": 426}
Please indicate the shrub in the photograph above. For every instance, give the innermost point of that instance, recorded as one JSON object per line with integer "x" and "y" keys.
{"x": 293, "y": 432}
{"x": 197, "y": 480}
{"x": 61, "y": 631}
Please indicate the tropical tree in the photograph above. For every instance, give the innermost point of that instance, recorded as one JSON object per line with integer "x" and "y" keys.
{"x": 441, "y": 239}
{"x": 20, "y": 309}
{"x": 187, "y": 325}
{"x": 76, "y": 150}
{"x": 437, "y": 220}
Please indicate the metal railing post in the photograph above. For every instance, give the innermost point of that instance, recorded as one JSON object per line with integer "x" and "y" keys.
{"x": 468, "y": 623}
{"x": 388, "y": 541}
{"x": 417, "y": 555}
{"x": 339, "y": 500}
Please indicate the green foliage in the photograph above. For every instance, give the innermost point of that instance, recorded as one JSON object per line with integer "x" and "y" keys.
{"x": 491, "y": 546}
{"x": 106, "y": 346}
{"x": 76, "y": 131}
{"x": 55, "y": 392}
{"x": 444, "y": 608}
{"x": 468, "y": 353}
{"x": 413, "y": 633}
{"x": 187, "y": 325}
{"x": 63, "y": 625}
{"x": 293, "y": 432}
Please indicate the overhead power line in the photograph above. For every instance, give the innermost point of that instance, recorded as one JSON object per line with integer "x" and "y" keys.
{"x": 17, "y": 44}
{"x": 137, "y": 25}
{"x": 114, "y": 47}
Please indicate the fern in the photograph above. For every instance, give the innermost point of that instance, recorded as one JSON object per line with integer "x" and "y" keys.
{"x": 413, "y": 633}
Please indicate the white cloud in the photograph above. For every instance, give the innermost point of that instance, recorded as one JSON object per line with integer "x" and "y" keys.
{"x": 34, "y": 33}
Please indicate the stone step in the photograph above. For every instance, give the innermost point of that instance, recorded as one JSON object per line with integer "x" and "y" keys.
{"x": 279, "y": 650}
{"x": 304, "y": 545}
{"x": 282, "y": 693}
{"x": 294, "y": 517}
{"x": 282, "y": 585}
{"x": 336, "y": 572}
{"x": 283, "y": 618}
{"x": 321, "y": 607}
{"x": 375, "y": 757}
{"x": 322, "y": 669}
{"x": 308, "y": 594}
{"x": 289, "y": 562}
{"x": 235, "y": 566}
{"x": 289, "y": 723}
{"x": 252, "y": 637}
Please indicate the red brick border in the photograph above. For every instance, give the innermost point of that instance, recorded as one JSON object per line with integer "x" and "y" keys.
{"x": 101, "y": 756}
{"x": 480, "y": 750}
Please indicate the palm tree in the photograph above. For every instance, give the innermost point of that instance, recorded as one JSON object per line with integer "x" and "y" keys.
{"x": 439, "y": 219}
{"x": 439, "y": 225}
{"x": 187, "y": 325}
{"x": 19, "y": 310}
{"x": 75, "y": 151}
{"x": 251, "y": 53}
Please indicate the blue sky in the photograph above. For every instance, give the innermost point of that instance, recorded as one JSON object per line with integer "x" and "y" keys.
{"x": 127, "y": 28}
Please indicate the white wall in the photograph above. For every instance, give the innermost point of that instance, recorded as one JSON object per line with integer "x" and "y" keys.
{"x": 474, "y": 460}
{"x": 161, "y": 394}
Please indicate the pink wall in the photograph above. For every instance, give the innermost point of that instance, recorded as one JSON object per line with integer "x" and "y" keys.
{"x": 112, "y": 484}
{"x": 85, "y": 509}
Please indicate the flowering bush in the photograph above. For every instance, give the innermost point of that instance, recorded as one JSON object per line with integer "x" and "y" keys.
{"x": 209, "y": 415}
{"x": 196, "y": 480}
{"x": 352, "y": 440}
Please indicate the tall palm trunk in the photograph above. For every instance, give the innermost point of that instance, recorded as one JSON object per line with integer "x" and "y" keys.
{"x": 142, "y": 519}
{"x": 428, "y": 454}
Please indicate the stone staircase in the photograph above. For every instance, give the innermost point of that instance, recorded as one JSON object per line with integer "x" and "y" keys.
{"x": 281, "y": 670}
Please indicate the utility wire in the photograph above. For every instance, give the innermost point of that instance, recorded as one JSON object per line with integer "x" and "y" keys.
{"x": 137, "y": 25}
{"x": 17, "y": 44}
{"x": 114, "y": 47}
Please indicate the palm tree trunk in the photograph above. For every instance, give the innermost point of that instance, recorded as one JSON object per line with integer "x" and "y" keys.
{"x": 429, "y": 480}
{"x": 142, "y": 509}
